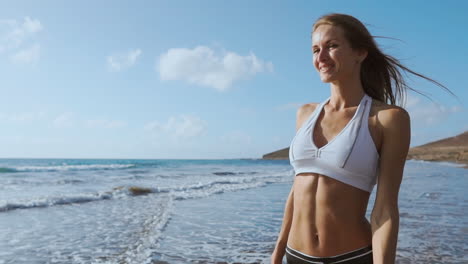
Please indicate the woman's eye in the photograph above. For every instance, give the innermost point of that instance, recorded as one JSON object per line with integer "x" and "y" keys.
{"x": 330, "y": 46}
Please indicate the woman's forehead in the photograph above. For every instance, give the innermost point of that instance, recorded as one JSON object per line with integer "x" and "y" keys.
{"x": 326, "y": 33}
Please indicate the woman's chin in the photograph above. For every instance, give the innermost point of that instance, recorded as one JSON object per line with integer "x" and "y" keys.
{"x": 326, "y": 79}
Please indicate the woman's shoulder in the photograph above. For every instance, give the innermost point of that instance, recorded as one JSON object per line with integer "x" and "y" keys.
{"x": 390, "y": 115}
{"x": 303, "y": 112}
{"x": 306, "y": 109}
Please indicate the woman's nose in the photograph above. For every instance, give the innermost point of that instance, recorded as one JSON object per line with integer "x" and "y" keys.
{"x": 322, "y": 55}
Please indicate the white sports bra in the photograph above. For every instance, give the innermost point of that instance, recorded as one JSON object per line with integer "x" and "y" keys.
{"x": 350, "y": 157}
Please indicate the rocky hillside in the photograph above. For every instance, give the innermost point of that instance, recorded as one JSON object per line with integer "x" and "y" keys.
{"x": 279, "y": 154}
{"x": 452, "y": 149}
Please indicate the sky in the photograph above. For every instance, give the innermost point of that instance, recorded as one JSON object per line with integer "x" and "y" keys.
{"x": 201, "y": 79}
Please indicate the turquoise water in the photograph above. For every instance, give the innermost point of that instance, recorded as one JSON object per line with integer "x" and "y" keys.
{"x": 195, "y": 211}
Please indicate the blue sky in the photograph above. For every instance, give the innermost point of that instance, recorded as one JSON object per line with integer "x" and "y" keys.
{"x": 201, "y": 79}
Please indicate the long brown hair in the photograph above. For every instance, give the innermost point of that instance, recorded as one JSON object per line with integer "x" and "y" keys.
{"x": 381, "y": 75}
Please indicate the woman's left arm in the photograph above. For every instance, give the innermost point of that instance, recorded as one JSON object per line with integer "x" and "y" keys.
{"x": 385, "y": 218}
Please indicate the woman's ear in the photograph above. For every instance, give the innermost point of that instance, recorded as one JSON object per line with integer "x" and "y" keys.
{"x": 362, "y": 55}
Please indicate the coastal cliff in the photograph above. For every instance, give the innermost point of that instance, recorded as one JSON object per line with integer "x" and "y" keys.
{"x": 452, "y": 149}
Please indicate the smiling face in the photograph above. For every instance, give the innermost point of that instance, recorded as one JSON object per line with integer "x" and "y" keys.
{"x": 333, "y": 56}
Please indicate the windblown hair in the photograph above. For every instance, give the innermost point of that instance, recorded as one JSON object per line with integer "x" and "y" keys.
{"x": 381, "y": 74}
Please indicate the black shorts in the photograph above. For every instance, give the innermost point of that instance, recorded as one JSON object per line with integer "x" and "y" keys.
{"x": 358, "y": 256}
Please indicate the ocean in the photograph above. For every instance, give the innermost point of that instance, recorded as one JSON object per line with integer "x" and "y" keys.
{"x": 196, "y": 211}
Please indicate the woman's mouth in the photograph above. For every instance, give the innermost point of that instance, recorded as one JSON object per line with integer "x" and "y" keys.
{"x": 325, "y": 69}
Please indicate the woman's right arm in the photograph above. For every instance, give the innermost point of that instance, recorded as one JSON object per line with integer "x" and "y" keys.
{"x": 277, "y": 257}
{"x": 280, "y": 248}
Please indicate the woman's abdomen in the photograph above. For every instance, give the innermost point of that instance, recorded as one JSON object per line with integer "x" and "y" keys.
{"x": 328, "y": 217}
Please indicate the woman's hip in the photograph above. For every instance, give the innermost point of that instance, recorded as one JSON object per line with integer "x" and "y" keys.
{"x": 358, "y": 256}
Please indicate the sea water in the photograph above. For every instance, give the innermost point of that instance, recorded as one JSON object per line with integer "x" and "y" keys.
{"x": 195, "y": 211}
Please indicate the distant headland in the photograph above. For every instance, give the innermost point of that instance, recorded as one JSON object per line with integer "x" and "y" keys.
{"x": 452, "y": 149}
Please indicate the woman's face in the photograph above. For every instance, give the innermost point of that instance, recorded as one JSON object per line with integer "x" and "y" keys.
{"x": 333, "y": 57}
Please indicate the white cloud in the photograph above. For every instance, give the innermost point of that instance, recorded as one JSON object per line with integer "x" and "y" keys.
{"x": 31, "y": 25}
{"x": 102, "y": 123}
{"x": 13, "y": 33}
{"x": 203, "y": 67}
{"x": 179, "y": 127}
{"x": 64, "y": 120}
{"x": 122, "y": 61}
{"x": 29, "y": 55}
{"x": 428, "y": 113}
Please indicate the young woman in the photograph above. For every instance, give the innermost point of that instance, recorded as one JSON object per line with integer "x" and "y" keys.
{"x": 343, "y": 147}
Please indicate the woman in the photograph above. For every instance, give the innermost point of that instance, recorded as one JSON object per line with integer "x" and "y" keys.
{"x": 342, "y": 148}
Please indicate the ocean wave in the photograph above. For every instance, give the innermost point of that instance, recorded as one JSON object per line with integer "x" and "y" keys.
{"x": 227, "y": 173}
{"x": 67, "y": 167}
{"x": 221, "y": 186}
{"x": 69, "y": 181}
{"x": 191, "y": 191}
{"x": 224, "y": 173}
{"x": 51, "y": 201}
{"x": 7, "y": 170}
{"x": 12, "y": 183}
{"x": 140, "y": 252}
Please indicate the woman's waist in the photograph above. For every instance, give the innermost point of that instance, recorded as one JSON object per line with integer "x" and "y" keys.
{"x": 330, "y": 224}
{"x": 323, "y": 236}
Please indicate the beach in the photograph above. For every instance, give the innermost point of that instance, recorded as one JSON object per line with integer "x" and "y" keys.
{"x": 202, "y": 211}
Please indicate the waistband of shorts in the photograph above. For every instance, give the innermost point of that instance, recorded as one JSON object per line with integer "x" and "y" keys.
{"x": 331, "y": 259}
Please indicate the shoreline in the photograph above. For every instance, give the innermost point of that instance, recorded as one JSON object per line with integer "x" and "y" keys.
{"x": 451, "y": 154}
{"x": 443, "y": 162}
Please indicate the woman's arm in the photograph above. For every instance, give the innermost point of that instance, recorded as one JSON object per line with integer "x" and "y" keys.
{"x": 385, "y": 219}
{"x": 301, "y": 115}
{"x": 280, "y": 247}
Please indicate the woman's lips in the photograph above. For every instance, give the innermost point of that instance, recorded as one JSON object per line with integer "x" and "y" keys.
{"x": 326, "y": 68}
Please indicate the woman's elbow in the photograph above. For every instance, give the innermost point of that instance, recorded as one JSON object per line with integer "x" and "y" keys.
{"x": 379, "y": 217}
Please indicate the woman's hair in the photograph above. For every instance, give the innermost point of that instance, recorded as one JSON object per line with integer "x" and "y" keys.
{"x": 379, "y": 72}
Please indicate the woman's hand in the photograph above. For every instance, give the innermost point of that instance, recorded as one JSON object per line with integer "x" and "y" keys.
{"x": 276, "y": 257}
